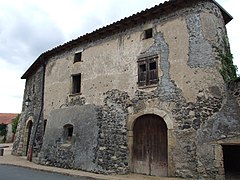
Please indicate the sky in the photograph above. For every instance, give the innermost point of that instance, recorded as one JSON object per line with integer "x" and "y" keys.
{"x": 31, "y": 27}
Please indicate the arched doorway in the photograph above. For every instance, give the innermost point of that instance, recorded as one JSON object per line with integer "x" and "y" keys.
{"x": 149, "y": 149}
{"x": 28, "y": 133}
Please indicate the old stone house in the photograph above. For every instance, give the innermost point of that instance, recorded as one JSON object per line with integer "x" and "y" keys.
{"x": 142, "y": 95}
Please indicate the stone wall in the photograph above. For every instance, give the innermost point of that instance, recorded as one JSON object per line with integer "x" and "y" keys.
{"x": 99, "y": 141}
{"x": 234, "y": 88}
{"x": 222, "y": 126}
{"x": 199, "y": 126}
{"x": 191, "y": 91}
{"x": 79, "y": 153}
{"x": 9, "y": 136}
{"x": 111, "y": 63}
{"x": 33, "y": 90}
{"x": 112, "y": 150}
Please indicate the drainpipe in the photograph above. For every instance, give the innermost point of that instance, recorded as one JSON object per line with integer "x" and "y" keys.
{"x": 39, "y": 117}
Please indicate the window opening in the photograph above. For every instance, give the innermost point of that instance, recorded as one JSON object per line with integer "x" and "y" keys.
{"x": 33, "y": 88}
{"x": 142, "y": 73}
{"x": 231, "y": 156}
{"x": 68, "y": 132}
{"x": 77, "y": 57}
{"x": 143, "y": 67}
{"x": 147, "y": 71}
{"x": 148, "y": 33}
{"x": 44, "y": 125}
{"x": 76, "y": 84}
{"x": 153, "y": 66}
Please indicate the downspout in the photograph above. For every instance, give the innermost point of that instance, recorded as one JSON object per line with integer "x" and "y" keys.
{"x": 40, "y": 114}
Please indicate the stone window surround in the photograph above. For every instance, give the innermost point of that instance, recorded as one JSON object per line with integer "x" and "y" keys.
{"x": 170, "y": 132}
{"x": 148, "y": 33}
{"x": 218, "y": 152}
{"x": 78, "y": 56}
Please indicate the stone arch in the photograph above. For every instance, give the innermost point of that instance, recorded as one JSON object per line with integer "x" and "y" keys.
{"x": 164, "y": 115}
{"x": 27, "y": 136}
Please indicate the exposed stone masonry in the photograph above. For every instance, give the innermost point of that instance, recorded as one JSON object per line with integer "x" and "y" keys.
{"x": 193, "y": 115}
{"x": 59, "y": 156}
{"x": 191, "y": 118}
{"x": 80, "y": 151}
{"x": 234, "y": 87}
{"x": 33, "y": 90}
{"x": 75, "y": 100}
{"x": 100, "y": 138}
{"x": 112, "y": 154}
{"x": 200, "y": 49}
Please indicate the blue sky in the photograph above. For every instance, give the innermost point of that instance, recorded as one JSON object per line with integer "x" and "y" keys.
{"x": 30, "y": 27}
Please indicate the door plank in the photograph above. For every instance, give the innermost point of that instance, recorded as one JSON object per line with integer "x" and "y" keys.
{"x": 150, "y": 146}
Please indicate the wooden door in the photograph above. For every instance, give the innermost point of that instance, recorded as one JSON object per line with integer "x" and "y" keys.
{"x": 29, "y": 130}
{"x": 150, "y": 146}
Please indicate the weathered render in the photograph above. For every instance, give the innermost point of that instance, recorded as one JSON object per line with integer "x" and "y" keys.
{"x": 181, "y": 104}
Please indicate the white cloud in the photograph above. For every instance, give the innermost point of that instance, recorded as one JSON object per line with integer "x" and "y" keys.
{"x": 11, "y": 88}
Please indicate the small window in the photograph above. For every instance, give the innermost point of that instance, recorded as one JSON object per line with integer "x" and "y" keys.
{"x": 148, "y": 33}
{"x": 76, "y": 84}
{"x": 44, "y": 125}
{"x": 33, "y": 88}
{"x": 77, "y": 57}
{"x": 147, "y": 71}
{"x": 68, "y": 133}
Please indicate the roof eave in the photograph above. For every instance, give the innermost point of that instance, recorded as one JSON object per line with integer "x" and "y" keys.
{"x": 97, "y": 34}
{"x": 226, "y": 16}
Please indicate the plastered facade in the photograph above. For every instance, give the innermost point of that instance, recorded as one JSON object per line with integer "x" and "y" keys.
{"x": 113, "y": 64}
{"x": 190, "y": 96}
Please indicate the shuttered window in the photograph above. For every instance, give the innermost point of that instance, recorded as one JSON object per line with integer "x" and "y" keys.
{"x": 147, "y": 71}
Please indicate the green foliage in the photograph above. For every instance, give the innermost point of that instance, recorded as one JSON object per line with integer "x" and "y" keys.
{"x": 15, "y": 124}
{"x": 3, "y": 129}
{"x": 228, "y": 69}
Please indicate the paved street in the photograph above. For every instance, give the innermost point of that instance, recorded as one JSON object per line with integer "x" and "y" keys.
{"x": 7, "y": 161}
{"x": 9, "y": 172}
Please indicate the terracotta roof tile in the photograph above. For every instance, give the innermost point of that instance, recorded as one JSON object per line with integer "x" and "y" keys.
{"x": 6, "y": 118}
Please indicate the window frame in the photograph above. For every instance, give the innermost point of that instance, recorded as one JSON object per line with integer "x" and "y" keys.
{"x": 148, "y": 33}
{"x": 76, "y": 86}
{"x": 149, "y": 77}
{"x": 77, "y": 56}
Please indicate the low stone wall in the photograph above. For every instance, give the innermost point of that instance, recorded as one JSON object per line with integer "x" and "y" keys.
{"x": 79, "y": 153}
{"x": 99, "y": 141}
